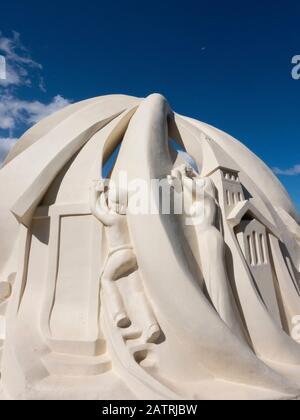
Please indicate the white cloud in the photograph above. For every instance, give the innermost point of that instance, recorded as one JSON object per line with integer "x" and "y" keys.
{"x": 5, "y": 145}
{"x": 2, "y": 68}
{"x": 18, "y": 62}
{"x": 37, "y": 110}
{"x": 294, "y": 171}
{"x": 15, "y": 112}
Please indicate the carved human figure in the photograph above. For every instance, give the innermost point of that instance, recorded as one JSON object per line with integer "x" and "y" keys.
{"x": 202, "y": 208}
{"x": 121, "y": 260}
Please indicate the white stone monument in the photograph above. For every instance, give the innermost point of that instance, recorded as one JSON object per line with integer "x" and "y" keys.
{"x": 101, "y": 302}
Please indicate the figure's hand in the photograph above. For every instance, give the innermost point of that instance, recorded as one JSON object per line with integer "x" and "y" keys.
{"x": 177, "y": 173}
{"x": 100, "y": 187}
{"x": 175, "y": 177}
{"x": 170, "y": 180}
{"x": 190, "y": 172}
{"x": 187, "y": 171}
{"x": 183, "y": 171}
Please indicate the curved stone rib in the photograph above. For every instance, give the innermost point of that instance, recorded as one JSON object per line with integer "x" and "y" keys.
{"x": 23, "y": 184}
{"x": 192, "y": 317}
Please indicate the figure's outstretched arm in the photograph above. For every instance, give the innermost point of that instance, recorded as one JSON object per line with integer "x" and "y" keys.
{"x": 99, "y": 206}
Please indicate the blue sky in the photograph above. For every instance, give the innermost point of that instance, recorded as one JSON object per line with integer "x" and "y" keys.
{"x": 225, "y": 63}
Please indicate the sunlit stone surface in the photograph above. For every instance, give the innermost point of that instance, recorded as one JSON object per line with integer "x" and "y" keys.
{"x": 97, "y": 302}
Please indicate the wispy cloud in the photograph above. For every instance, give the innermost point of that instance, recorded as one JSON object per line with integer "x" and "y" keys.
{"x": 5, "y": 145}
{"x": 15, "y": 112}
{"x": 18, "y": 62}
{"x": 294, "y": 171}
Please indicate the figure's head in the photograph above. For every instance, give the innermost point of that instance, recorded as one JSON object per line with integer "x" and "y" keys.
{"x": 183, "y": 170}
{"x": 186, "y": 170}
{"x": 189, "y": 171}
{"x": 100, "y": 185}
